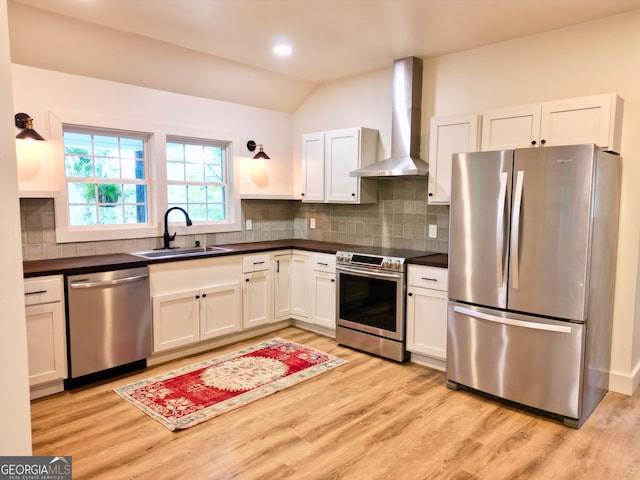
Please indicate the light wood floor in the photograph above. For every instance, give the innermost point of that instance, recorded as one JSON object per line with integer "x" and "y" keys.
{"x": 368, "y": 419}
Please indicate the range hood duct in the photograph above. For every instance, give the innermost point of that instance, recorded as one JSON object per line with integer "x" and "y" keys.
{"x": 405, "y": 126}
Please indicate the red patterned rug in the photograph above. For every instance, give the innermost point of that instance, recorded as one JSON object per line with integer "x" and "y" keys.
{"x": 191, "y": 395}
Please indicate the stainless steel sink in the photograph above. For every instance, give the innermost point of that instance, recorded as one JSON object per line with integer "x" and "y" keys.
{"x": 179, "y": 252}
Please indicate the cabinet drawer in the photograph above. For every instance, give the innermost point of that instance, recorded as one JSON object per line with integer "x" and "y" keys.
{"x": 435, "y": 278}
{"x": 43, "y": 290}
{"x": 256, "y": 263}
{"x": 323, "y": 263}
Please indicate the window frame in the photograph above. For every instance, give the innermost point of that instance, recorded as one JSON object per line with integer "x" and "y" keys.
{"x": 226, "y": 184}
{"x": 157, "y": 178}
{"x": 146, "y": 181}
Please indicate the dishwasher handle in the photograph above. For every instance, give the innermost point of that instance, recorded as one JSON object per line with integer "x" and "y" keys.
{"x": 106, "y": 283}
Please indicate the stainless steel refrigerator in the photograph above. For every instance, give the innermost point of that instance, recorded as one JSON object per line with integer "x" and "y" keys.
{"x": 532, "y": 254}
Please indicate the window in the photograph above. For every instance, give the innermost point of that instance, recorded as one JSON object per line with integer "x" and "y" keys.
{"x": 197, "y": 178}
{"x": 106, "y": 177}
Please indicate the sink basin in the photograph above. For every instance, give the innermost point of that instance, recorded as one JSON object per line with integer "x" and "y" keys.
{"x": 178, "y": 252}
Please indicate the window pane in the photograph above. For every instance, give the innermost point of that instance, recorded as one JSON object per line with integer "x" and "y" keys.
{"x": 107, "y": 167}
{"x": 198, "y": 212}
{"x": 78, "y": 166}
{"x": 197, "y": 194}
{"x": 131, "y": 148}
{"x": 82, "y": 215}
{"x": 106, "y": 146}
{"x": 110, "y": 215}
{"x": 175, "y": 171}
{"x": 197, "y": 179}
{"x": 194, "y": 172}
{"x": 215, "y": 194}
{"x": 216, "y": 212}
{"x": 92, "y": 157}
{"x": 109, "y": 193}
{"x": 194, "y": 153}
{"x": 213, "y": 173}
{"x": 177, "y": 194}
{"x": 78, "y": 141}
{"x": 175, "y": 152}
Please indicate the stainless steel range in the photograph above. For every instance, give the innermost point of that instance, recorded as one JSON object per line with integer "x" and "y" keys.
{"x": 371, "y": 285}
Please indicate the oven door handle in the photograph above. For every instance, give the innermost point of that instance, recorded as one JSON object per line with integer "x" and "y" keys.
{"x": 369, "y": 273}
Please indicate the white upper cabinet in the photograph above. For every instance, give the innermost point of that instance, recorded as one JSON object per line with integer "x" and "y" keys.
{"x": 313, "y": 167}
{"x": 512, "y": 127}
{"x": 448, "y": 135}
{"x": 594, "y": 119}
{"x": 329, "y": 157}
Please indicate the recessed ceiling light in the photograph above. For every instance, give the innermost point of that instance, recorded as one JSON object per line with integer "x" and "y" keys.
{"x": 282, "y": 50}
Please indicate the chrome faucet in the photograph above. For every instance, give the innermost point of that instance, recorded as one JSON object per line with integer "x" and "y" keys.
{"x": 167, "y": 239}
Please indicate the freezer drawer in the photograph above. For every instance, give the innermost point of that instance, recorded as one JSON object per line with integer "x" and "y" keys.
{"x": 528, "y": 360}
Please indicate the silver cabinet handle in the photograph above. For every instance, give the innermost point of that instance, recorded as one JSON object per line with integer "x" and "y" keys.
{"x": 502, "y": 199}
{"x": 429, "y": 279}
{"x": 511, "y": 321}
{"x": 117, "y": 281}
{"x": 515, "y": 231}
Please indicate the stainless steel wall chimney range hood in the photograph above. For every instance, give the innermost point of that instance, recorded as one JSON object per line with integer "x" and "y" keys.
{"x": 405, "y": 126}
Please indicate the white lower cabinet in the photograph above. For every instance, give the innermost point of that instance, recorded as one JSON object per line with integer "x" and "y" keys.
{"x": 324, "y": 299}
{"x": 427, "y": 311}
{"x": 195, "y": 300}
{"x": 256, "y": 295}
{"x": 323, "y": 291}
{"x": 195, "y": 315}
{"x": 291, "y": 285}
{"x": 46, "y": 334}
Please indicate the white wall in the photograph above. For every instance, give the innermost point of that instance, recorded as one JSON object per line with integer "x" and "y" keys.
{"x": 15, "y": 412}
{"x": 592, "y": 58}
{"x": 40, "y": 92}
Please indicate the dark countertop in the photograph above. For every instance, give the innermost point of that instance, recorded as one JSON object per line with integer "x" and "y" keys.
{"x": 118, "y": 261}
{"x": 439, "y": 260}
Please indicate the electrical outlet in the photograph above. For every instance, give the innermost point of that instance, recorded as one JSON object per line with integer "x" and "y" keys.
{"x": 433, "y": 231}
{"x": 248, "y": 225}
{"x": 312, "y": 223}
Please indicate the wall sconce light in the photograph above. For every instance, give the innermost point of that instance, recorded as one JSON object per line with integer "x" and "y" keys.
{"x": 25, "y": 122}
{"x": 251, "y": 146}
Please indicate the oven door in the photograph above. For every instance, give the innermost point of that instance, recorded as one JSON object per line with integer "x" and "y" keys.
{"x": 371, "y": 301}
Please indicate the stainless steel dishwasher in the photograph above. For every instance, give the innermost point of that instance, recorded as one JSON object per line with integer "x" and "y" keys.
{"x": 109, "y": 324}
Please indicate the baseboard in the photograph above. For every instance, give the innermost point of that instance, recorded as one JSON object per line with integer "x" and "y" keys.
{"x": 181, "y": 352}
{"x": 430, "y": 362}
{"x": 49, "y": 388}
{"x": 625, "y": 384}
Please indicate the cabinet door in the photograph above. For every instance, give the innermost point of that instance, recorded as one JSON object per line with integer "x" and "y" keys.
{"x": 282, "y": 285}
{"x": 342, "y": 150}
{"x": 46, "y": 343}
{"x": 176, "y": 320}
{"x": 324, "y": 300}
{"x": 577, "y": 120}
{"x": 256, "y": 299}
{"x": 300, "y": 281}
{"x": 514, "y": 127}
{"x": 449, "y": 135}
{"x": 313, "y": 167}
{"x": 220, "y": 310}
{"x": 427, "y": 322}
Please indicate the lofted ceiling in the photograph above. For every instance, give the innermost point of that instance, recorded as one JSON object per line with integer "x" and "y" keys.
{"x": 331, "y": 39}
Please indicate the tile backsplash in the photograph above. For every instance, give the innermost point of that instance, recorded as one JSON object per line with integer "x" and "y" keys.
{"x": 399, "y": 219}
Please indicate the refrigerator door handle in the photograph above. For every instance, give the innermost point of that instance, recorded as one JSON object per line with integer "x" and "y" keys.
{"x": 515, "y": 231}
{"x": 510, "y": 321}
{"x": 502, "y": 199}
